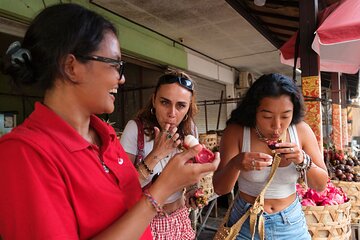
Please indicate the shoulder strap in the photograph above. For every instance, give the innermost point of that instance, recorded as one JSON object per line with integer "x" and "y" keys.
{"x": 256, "y": 210}
{"x": 140, "y": 142}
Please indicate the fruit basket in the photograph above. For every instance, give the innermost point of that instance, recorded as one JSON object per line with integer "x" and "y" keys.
{"x": 352, "y": 190}
{"x": 328, "y": 222}
{"x": 342, "y": 166}
{"x": 207, "y": 185}
{"x": 209, "y": 140}
{"x": 327, "y": 213}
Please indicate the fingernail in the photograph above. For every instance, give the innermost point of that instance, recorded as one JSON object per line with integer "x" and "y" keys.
{"x": 276, "y": 145}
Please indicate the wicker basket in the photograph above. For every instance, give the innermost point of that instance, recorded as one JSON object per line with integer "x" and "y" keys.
{"x": 209, "y": 140}
{"x": 328, "y": 222}
{"x": 207, "y": 185}
{"x": 352, "y": 190}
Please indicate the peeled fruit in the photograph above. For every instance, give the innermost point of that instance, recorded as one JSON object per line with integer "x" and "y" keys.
{"x": 204, "y": 156}
{"x": 190, "y": 141}
{"x": 271, "y": 143}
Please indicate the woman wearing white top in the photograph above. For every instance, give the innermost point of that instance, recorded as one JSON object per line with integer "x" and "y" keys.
{"x": 166, "y": 119}
{"x": 273, "y": 108}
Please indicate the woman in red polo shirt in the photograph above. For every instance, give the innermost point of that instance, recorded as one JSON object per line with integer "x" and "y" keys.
{"x": 63, "y": 173}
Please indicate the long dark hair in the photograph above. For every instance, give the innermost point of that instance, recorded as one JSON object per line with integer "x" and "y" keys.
{"x": 269, "y": 85}
{"x": 57, "y": 31}
{"x": 148, "y": 117}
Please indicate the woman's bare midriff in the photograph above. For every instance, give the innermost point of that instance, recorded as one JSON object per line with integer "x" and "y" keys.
{"x": 172, "y": 207}
{"x": 271, "y": 205}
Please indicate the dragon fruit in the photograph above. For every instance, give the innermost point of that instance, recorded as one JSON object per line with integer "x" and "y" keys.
{"x": 332, "y": 195}
{"x": 204, "y": 156}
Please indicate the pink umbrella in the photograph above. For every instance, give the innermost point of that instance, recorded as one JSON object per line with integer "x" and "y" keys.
{"x": 337, "y": 39}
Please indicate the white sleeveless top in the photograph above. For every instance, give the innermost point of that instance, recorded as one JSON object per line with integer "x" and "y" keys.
{"x": 284, "y": 181}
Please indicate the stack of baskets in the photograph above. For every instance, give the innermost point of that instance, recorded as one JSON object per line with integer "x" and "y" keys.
{"x": 328, "y": 222}
{"x": 210, "y": 141}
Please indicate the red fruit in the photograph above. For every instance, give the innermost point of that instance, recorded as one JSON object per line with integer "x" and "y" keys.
{"x": 271, "y": 144}
{"x": 205, "y": 156}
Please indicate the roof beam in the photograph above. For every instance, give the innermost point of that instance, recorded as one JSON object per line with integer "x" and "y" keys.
{"x": 244, "y": 11}
{"x": 274, "y": 15}
{"x": 283, "y": 3}
{"x": 274, "y": 25}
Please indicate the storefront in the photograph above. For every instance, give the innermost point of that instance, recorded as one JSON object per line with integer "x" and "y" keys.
{"x": 147, "y": 54}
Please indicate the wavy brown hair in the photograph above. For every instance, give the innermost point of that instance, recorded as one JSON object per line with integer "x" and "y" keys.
{"x": 149, "y": 120}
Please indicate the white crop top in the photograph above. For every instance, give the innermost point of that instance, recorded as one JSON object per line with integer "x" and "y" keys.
{"x": 284, "y": 181}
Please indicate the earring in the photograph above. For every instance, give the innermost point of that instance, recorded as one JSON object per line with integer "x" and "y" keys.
{"x": 152, "y": 111}
{"x": 185, "y": 118}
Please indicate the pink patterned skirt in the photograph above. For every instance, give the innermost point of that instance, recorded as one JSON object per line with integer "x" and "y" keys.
{"x": 176, "y": 226}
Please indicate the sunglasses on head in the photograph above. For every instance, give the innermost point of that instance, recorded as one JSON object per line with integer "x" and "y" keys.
{"x": 184, "y": 82}
{"x": 118, "y": 64}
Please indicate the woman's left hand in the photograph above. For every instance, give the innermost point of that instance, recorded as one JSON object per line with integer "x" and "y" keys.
{"x": 195, "y": 198}
{"x": 290, "y": 152}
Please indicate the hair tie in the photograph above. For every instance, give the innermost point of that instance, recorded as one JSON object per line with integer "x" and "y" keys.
{"x": 18, "y": 54}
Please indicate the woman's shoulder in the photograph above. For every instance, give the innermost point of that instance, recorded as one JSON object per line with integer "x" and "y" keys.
{"x": 131, "y": 126}
{"x": 234, "y": 130}
{"x": 233, "y": 126}
{"x": 130, "y": 131}
{"x": 304, "y": 132}
{"x": 302, "y": 126}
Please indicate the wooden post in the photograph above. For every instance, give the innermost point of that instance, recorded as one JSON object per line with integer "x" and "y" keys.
{"x": 336, "y": 111}
{"x": 309, "y": 61}
{"x": 343, "y": 87}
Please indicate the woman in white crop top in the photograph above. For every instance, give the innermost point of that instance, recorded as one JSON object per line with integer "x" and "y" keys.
{"x": 165, "y": 120}
{"x": 273, "y": 108}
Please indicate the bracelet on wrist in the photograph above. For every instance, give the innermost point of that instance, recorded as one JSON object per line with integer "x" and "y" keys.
{"x": 147, "y": 167}
{"x": 142, "y": 172}
{"x": 306, "y": 164}
{"x": 159, "y": 209}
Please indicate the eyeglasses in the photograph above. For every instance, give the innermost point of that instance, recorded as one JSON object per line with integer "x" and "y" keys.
{"x": 118, "y": 64}
{"x": 184, "y": 82}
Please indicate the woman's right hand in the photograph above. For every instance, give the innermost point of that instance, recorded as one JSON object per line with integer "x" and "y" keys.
{"x": 178, "y": 173}
{"x": 251, "y": 161}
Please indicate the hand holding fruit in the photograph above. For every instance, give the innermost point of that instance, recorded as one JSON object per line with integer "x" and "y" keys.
{"x": 196, "y": 198}
{"x": 204, "y": 156}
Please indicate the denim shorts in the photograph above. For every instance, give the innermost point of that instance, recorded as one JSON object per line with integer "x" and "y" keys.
{"x": 286, "y": 224}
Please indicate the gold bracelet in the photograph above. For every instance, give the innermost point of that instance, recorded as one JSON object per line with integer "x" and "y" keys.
{"x": 142, "y": 173}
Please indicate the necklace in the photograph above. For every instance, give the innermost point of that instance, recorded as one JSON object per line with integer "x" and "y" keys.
{"x": 260, "y": 135}
{"x": 271, "y": 143}
{"x": 98, "y": 155}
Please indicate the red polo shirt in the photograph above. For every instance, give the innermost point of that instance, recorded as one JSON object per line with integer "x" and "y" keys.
{"x": 52, "y": 184}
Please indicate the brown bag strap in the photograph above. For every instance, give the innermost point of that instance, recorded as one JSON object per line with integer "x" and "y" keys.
{"x": 140, "y": 142}
{"x": 257, "y": 208}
